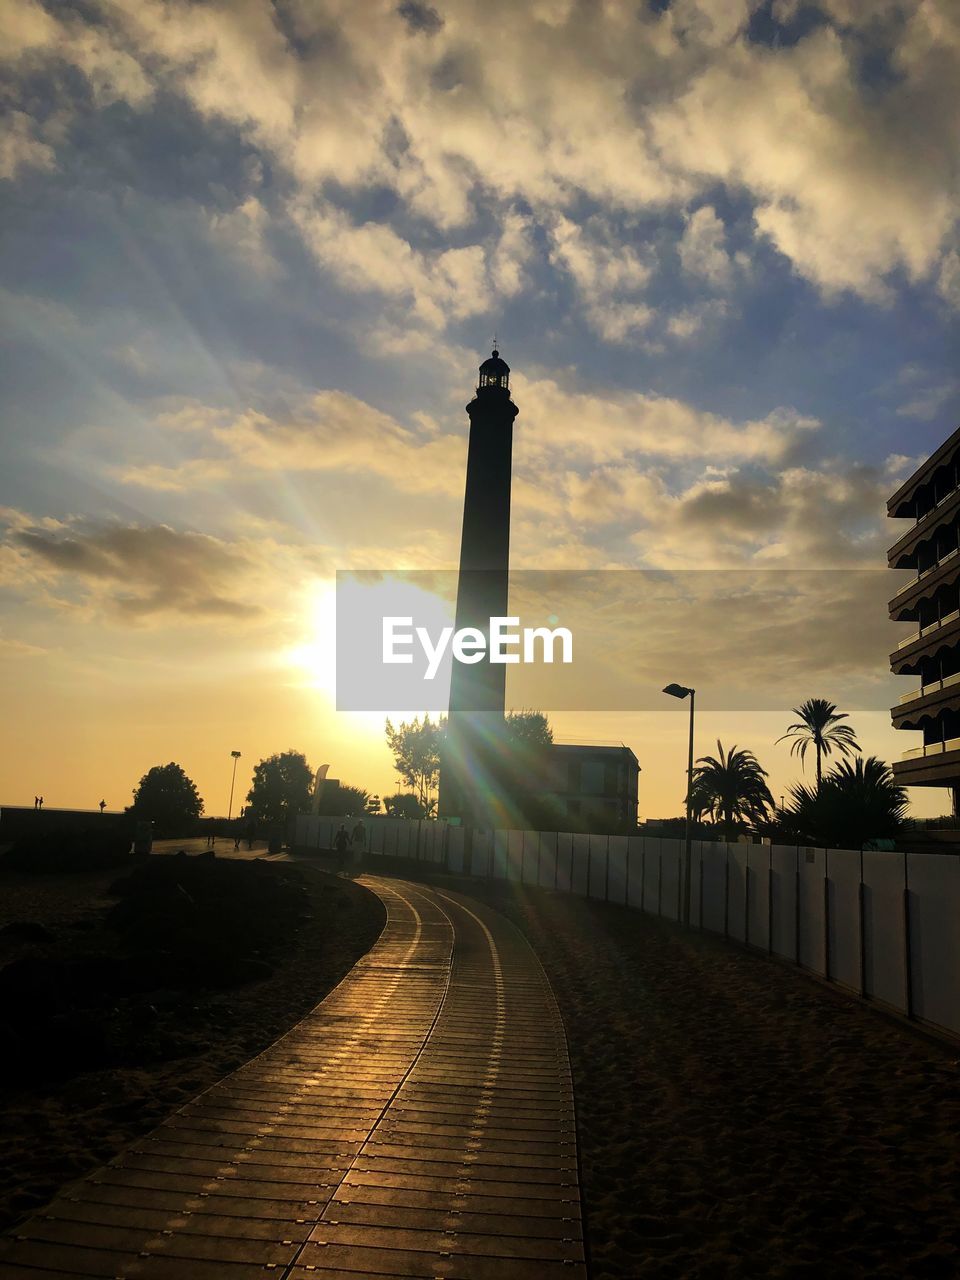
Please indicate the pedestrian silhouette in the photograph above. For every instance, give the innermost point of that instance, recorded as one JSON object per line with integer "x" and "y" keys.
{"x": 341, "y": 843}
{"x": 36, "y": 802}
{"x": 103, "y": 805}
{"x": 40, "y": 803}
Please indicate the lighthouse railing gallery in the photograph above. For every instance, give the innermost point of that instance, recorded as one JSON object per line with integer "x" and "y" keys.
{"x": 882, "y": 925}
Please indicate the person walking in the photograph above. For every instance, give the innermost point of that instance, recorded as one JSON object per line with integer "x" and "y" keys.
{"x": 103, "y": 805}
{"x": 341, "y": 844}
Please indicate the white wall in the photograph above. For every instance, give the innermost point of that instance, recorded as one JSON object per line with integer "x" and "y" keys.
{"x": 886, "y": 925}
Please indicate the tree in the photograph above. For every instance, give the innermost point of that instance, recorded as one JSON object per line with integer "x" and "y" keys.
{"x": 731, "y": 788}
{"x": 854, "y": 803}
{"x": 168, "y": 798}
{"x": 819, "y": 726}
{"x": 403, "y": 805}
{"x": 528, "y": 729}
{"x": 342, "y": 800}
{"x": 416, "y": 756}
{"x": 282, "y": 786}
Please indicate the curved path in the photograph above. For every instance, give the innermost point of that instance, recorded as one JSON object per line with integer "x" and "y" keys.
{"x": 419, "y": 1122}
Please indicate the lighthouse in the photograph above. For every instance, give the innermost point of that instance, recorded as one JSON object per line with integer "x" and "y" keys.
{"x": 468, "y": 786}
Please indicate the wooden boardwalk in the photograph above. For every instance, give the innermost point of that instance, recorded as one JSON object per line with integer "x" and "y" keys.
{"x": 419, "y": 1122}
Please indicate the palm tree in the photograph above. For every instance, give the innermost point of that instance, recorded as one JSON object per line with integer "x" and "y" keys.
{"x": 856, "y": 802}
{"x": 819, "y": 725}
{"x": 731, "y": 788}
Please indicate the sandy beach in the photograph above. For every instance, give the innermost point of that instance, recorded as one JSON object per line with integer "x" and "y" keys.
{"x": 736, "y": 1118}
{"x": 169, "y": 1045}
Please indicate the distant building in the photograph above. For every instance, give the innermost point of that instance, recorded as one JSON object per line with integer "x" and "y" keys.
{"x": 588, "y": 787}
{"x": 931, "y": 600}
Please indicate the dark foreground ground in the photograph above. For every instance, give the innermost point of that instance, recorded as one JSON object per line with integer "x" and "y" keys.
{"x": 737, "y": 1119}
{"x": 117, "y": 1007}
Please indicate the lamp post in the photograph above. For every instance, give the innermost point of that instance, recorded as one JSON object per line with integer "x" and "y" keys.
{"x": 236, "y": 757}
{"x": 681, "y": 691}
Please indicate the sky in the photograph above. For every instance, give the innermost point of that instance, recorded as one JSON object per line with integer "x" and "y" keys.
{"x": 254, "y": 252}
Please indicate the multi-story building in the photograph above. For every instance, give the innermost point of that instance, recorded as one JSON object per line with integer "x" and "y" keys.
{"x": 930, "y": 547}
{"x": 589, "y": 788}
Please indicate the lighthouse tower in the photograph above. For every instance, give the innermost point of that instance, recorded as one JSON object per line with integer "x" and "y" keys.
{"x": 477, "y": 691}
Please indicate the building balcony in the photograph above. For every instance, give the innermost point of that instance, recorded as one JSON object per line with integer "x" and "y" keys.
{"x": 939, "y": 470}
{"x": 936, "y": 764}
{"x": 925, "y": 642}
{"x": 945, "y": 571}
{"x": 927, "y": 702}
{"x": 906, "y": 546}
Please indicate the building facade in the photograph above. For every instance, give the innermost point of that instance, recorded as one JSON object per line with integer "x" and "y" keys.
{"x": 930, "y": 654}
{"x": 589, "y": 788}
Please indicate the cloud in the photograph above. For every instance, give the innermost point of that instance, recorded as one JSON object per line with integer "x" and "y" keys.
{"x": 948, "y": 279}
{"x": 702, "y": 247}
{"x": 628, "y": 425}
{"x": 20, "y": 147}
{"x": 848, "y": 185}
{"x": 330, "y": 432}
{"x": 137, "y": 572}
{"x": 637, "y": 113}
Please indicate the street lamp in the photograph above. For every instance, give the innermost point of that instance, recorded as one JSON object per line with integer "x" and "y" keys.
{"x": 236, "y": 757}
{"x": 681, "y": 691}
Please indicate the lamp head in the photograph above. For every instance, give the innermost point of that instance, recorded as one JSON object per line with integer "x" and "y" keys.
{"x": 677, "y": 691}
{"x": 235, "y": 754}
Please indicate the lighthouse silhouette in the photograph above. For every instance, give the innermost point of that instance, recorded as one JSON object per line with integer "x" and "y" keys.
{"x": 469, "y": 786}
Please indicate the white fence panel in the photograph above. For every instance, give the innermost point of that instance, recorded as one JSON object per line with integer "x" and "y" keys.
{"x": 843, "y": 919}
{"x": 547, "y": 872}
{"x": 883, "y": 941}
{"x": 783, "y": 918}
{"x": 635, "y": 871}
{"x": 500, "y": 854}
{"x": 812, "y": 866}
{"x": 455, "y": 849}
{"x": 581, "y": 864}
{"x": 713, "y": 857}
{"x": 530, "y": 865}
{"x": 481, "y": 853}
{"x": 651, "y": 874}
{"x": 737, "y": 891}
{"x": 758, "y": 900}
{"x": 617, "y": 869}
{"x": 597, "y": 874}
{"x": 565, "y": 861}
{"x": 934, "y": 896}
{"x": 671, "y": 862}
{"x": 514, "y": 854}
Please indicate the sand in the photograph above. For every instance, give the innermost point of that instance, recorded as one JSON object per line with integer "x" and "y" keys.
{"x": 55, "y": 1131}
{"x": 738, "y": 1119}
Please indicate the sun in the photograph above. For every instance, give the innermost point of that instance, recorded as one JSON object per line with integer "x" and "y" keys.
{"x": 313, "y": 662}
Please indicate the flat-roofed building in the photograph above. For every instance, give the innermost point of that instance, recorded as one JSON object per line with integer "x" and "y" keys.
{"x": 930, "y": 547}
{"x": 589, "y": 787}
